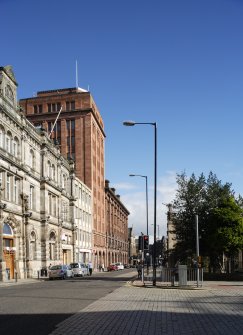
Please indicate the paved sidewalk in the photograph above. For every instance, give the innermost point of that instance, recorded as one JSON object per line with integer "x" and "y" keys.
{"x": 12, "y": 282}
{"x": 216, "y": 308}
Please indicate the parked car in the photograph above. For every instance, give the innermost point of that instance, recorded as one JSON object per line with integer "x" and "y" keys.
{"x": 120, "y": 266}
{"x": 112, "y": 267}
{"x": 79, "y": 269}
{"x": 60, "y": 271}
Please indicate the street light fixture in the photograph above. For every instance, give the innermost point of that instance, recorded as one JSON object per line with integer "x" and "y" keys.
{"x": 146, "y": 179}
{"x": 130, "y": 124}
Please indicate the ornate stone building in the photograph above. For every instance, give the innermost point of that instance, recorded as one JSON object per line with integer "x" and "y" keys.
{"x": 45, "y": 210}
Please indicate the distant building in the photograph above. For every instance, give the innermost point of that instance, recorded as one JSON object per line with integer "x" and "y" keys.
{"x": 117, "y": 227}
{"x": 132, "y": 251}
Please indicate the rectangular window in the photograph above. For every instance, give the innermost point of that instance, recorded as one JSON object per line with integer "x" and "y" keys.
{"x": 58, "y": 126}
{"x": 15, "y": 151}
{"x": 49, "y": 202}
{"x": 8, "y": 190}
{"x": 73, "y": 126}
{"x": 73, "y": 142}
{"x": 7, "y": 143}
{"x": 68, "y": 126}
{"x": 1, "y": 138}
{"x": 54, "y": 205}
{"x": 37, "y": 109}
{"x": 31, "y": 196}
{"x": 65, "y": 214}
{"x": 72, "y": 104}
{"x": 16, "y": 190}
{"x": 51, "y": 251}
{"x": 49, "y": 127}
{"x": 49, "y": 108}
{"x": 58, "y": 107}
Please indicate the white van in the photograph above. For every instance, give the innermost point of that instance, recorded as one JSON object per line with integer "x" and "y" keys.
{"x": 79, "y": 269}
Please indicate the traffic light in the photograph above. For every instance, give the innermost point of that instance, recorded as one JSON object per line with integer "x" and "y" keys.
{"x": 145, "y": 242}
{"x": 140, "y": 242}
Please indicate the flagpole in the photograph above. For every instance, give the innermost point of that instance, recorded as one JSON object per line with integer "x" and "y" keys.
{"x": 55, "y": 122}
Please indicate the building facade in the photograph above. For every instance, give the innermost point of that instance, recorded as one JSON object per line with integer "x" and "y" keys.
{"x": 132, "y": 250}
{"x": 79, "y": 131}
{"x": 117, "y": 244}
{"x": 45, "y": 210}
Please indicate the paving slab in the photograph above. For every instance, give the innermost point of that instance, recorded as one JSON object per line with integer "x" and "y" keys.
{"x": 216, "y": 308}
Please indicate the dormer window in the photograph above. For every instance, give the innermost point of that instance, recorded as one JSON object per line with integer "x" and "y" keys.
{"x": 9, "y": 93}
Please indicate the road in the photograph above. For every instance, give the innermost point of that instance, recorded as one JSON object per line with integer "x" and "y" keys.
{"x": 35, "y": 309}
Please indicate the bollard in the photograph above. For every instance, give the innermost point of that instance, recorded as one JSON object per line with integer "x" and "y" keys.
{"x": 173, "y": 279}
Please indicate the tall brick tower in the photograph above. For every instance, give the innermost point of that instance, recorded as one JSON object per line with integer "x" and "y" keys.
{"x": 79, "y": 131}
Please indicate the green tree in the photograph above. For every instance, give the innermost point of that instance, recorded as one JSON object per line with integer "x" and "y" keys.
{"x": 220, "y": 217}
{"x": 225, "y": 230}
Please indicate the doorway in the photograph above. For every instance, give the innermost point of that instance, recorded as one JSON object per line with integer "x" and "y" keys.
{"x": 8, "y": 250}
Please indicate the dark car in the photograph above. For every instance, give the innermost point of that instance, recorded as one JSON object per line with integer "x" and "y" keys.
{"x": 112, "y": 267}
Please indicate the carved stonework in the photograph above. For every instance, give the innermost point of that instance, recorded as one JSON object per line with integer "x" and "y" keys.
{"x": 25, "y": 198}
{"x": 31, "y": 230}
{"x": 13, "y": 223}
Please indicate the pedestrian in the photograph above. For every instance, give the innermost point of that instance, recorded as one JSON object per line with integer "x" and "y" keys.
{"x": 90, "y": 267}
{"x": 103, "y": 267}
{"x": 139, "y": 269}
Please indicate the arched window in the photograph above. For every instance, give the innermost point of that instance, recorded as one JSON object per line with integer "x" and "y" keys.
{"x": 15, "y": 147}
{"x": 52, "y": 244}
{"x": 53, "y": 172}
{"x": 49, "y": 169}
{"x": 8, "y": 241}
{"x": 9, "y": 92}
{"x": 64, "y": 181}
{"x": 32, "y": 159}
{"x": 8, "y": 142}
{"x": 7, "y": 230}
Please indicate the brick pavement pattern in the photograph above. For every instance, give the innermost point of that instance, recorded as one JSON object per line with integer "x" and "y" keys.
{"x": 129, "y": 310}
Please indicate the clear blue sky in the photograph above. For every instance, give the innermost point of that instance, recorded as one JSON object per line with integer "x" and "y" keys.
{"x": 176, "y": 62}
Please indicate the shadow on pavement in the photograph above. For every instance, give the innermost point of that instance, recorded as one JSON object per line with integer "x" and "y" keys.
{"x": 132, "y": 322}
{"x": 30, "y": 324}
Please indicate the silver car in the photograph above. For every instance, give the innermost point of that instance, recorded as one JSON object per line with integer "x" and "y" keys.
{"x": 79, "y": 269}
{"x": 60, "y": 271}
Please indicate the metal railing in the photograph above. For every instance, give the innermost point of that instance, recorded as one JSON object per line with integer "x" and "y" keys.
{"x": 176, "y": 276}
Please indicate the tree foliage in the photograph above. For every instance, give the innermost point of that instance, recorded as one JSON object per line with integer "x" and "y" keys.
{"x": 220, "y": 217}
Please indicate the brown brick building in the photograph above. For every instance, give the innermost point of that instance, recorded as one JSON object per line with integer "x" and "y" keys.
{"x": 117, "y": 227}
{"x": 79, "y": 131}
